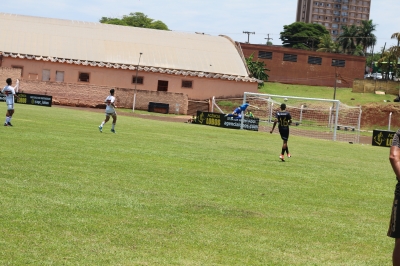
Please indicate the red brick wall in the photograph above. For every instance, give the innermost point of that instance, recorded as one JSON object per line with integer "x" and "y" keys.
{"x": 94, "y": 96}
{"x": 203, "y": 88}
{"x": 8, "y": 72}
{"x": 301, "y": 72}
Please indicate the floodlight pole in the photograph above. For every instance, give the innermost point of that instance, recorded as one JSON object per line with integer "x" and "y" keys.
{"x": 134, "y": 93}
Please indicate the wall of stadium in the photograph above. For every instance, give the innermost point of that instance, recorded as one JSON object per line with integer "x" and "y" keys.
{"x": 85, "y": 95}
{"x": 202, "y": 87}
{"x": 370, "y": 86}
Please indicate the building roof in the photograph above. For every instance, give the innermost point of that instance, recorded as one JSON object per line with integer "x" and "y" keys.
{"x": 104, "y": 45}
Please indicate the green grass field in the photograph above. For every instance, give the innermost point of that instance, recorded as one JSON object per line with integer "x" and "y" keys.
{"x": 345, "y": 95}
{"x": 159, "y": 193}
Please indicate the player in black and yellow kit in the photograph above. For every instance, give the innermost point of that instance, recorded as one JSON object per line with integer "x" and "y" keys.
{"x": 284, "y": 119}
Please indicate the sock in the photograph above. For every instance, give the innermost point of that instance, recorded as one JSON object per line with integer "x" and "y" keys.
{"x": 102, "y": 124}
{"x": 112, "y": 126}
{"x": 283, "y": 152}
{"x": 287, "y": 150}
{"x": 8, "y": 119}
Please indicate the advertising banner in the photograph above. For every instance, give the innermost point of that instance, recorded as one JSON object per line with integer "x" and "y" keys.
{"x": 34, "y": 99}
{"x": 220, "y": 120}
{"x": 382, "y": 138}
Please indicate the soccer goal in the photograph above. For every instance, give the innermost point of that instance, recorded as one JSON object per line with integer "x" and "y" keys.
{"x": 311, "y": 117}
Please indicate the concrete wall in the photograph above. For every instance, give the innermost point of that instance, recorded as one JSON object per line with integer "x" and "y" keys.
{"x": 370, "y": 86}
{"x": 86, "y": 95}
{"x": 203, "y": 88}
{"x": 301, "y": 72}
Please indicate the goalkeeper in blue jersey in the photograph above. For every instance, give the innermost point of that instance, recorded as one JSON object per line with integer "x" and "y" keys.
{"x": 284, "y": 119}
{"x": 237, "y": 113}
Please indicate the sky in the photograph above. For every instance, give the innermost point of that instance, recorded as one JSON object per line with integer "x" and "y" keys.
{"x": 265, "y": 18}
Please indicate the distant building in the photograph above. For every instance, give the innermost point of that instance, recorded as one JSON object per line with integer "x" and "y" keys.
{"x": 95, "y": 54}
{"x": 333, "y": 14}
{"x": 296, "y": 66}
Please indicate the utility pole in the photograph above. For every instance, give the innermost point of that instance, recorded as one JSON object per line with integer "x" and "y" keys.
{"x": 134, "y": 94}
{"x": 248, "y": 35}
{"x": 334, "y": 91}
{"x": 268, "y": 38}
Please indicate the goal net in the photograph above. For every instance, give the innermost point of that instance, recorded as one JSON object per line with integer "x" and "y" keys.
{"x": 311, "y": 117}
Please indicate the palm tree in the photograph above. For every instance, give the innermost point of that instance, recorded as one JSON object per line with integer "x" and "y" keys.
{"x": 327, "y": 45}
{"x": 395, "y": 50}
{"x": 365, "y": 34}
{"x": 396, "y": 35}
{"x": 387, "y": 58}
{"x": 348, "y": 39}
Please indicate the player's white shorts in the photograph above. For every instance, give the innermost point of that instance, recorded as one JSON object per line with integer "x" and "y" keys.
{"x": 10, "y": 106}
{"x": 111, "y": 114}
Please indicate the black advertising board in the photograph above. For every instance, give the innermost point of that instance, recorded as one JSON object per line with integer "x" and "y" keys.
{"x": 34, "y": 99}
{"x": 220, "y": 120}
{"x": 382, "y": 138}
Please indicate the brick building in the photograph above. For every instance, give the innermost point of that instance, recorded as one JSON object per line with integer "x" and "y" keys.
{"x": 95, "y": 55}
{"x": 333, "y": 14}
{"x": 295, "y": 66}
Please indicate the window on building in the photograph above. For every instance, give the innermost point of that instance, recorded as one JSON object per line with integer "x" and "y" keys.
{"x": 264, "y": 55}
{"x": 290, "y": 57}
{"x": 19, "y": 67}
{"x": 33, "y": 76}
{"x": 139, "y": 80}
{"x": 83, "y": 77}
{"x": 187, "y": 84}
{"x": 45, "y": 75}
{"x": 60, "y": 76}
{"x": 338, "y": 63}
{"x": 162, "y": 85}
{"x": 314, "y": 60}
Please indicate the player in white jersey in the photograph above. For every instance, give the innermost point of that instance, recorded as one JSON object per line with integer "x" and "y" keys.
{"x": 110, "y": 111}
{"x": 10, "y": 94}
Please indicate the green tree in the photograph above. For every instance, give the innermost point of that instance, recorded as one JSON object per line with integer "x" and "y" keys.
{"x": 387, "y": 61}
{"x": 356, "y": 39}
{"x": 395, "y": 50}
{"x": 372, "y": 58}
{"x": 365, "y": 34}
{"x": 348, "y": 39}
{"x": 136, "y": 19}
{"x": 302, "y": 35}
{"x": 327, "y": 45}
{"x": 257, "y": 69}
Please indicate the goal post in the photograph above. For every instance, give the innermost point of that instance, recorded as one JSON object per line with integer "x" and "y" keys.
{"x": 311, "y": 117}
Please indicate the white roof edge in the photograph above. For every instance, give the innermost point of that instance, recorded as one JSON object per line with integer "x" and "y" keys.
{"x": 131, "y": 67}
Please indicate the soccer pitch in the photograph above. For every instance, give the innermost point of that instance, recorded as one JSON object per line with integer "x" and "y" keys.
{"x": 162, "y": 193}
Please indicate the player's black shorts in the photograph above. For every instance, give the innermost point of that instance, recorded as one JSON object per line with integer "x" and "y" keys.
{"x": 394, "y": 226}
{"x": 284, "y": 133}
